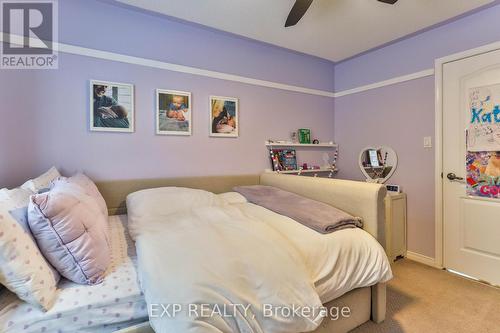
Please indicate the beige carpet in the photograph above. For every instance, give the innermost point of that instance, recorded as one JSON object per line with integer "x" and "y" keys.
{"x": 422, "y": 299}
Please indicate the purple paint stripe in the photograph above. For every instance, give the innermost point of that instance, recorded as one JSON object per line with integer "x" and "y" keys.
{"x": 421, "y": 31}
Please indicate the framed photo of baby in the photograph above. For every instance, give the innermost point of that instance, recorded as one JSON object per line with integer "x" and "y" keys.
{"x": 111, "y": 107}
{"x": 224, "y": 117}
{"x": 173, "y": 112}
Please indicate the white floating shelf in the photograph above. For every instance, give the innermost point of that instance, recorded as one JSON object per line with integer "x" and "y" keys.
{"x": 291, "y": 144}
{"x": 308, "y": 171}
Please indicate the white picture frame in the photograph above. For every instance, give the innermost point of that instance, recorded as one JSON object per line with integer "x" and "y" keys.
{"x": 231, "y": 108}
{"x": 117, "y": 95}
{"x": 166, "y": 125}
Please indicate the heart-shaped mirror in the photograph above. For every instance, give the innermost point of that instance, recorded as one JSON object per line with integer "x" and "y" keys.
{"x": 378, "y": 164}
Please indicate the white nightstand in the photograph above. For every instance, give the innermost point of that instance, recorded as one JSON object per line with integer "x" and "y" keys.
{"x": 395, "y": 225}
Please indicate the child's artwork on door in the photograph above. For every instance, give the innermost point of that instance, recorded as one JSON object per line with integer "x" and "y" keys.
{"x": 483, "y": 132}
{"x": 483, "y": 174}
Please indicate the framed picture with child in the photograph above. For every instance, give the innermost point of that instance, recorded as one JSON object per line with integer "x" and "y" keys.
{"x": 224, "y": 117}
{"x": 111, "y": 106}
{"x": 173, "y": 112}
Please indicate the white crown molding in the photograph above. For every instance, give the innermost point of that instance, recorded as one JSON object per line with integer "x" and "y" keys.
{"x": 105, "y": 55}
{"x": 390, "y": 82}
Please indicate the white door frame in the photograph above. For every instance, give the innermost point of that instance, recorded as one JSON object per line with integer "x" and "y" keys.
{"x": 438, "y": 77}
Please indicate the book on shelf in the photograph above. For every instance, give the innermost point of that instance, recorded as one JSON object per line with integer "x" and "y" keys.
{"x": 304, "y": 135}
{"x": 283, "y": 159}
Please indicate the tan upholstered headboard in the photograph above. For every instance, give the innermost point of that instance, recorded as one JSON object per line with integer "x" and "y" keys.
{"x": 115, "y": 192}
{"x": 360, "y": 199}
{"x": 357, "y": 198}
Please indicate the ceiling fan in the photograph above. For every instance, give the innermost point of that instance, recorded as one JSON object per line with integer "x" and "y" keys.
{"x": 301, "y": 6}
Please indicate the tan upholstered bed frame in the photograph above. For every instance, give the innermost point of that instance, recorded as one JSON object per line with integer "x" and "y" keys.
{"x": 359, "y": 199}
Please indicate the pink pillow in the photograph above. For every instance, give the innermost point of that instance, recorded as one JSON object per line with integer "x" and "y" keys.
{"x": 71, "y": 232}
{"x": 88, "y": 187}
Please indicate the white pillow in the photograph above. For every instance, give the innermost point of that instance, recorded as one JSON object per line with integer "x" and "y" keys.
{"x": 16, "y": 198}
{"x": 23, "y": 269}
{"x": 41, "y": 182}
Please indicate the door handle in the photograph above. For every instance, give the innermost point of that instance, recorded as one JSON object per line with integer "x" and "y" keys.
{"x": 452, "y": 177}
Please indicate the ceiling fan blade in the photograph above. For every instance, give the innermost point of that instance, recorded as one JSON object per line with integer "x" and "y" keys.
{"x": 391, "y": 2}
{"x": 298, "y": 10}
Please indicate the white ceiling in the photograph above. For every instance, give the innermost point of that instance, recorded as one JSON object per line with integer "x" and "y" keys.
{"x": 331, "y": 29}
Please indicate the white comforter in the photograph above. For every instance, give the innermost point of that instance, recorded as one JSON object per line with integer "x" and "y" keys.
{"x": 211, "y": 263}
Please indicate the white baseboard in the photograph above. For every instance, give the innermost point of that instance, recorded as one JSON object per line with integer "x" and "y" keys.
{"x": 421, "y": 259}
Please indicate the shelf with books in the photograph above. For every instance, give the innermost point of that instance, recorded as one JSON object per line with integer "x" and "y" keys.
{"x": 308, "y": 171}
{"x": 284, "y": 159}
{"x": 292, "y": 144}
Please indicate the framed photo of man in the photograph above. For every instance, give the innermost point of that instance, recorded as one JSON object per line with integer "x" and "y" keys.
{"x": 111, "y": 107}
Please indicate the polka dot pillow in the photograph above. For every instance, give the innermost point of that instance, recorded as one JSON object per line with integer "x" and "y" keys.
{"x": 23, "y": 269}
{"x": 42, "y": 181}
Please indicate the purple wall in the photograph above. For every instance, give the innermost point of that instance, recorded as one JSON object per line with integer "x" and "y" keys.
{"x": 371, "y": 114}
{"x": 45, "y": 113}
{"x": 401, "y": 115}
{"x": 17, "y": 126}
{"x": 134, "y": 32}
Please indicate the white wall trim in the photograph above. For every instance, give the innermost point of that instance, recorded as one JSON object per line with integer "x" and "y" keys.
{"x": 105, "y": 55}
{"x": 421, "y": 259}
{"x": 469, "y": 53}
{"x": 439, "y": 64}
{"x": 396, "y": 80}
{"x": 112, "y": 56}
{"x": 438, "y": 167}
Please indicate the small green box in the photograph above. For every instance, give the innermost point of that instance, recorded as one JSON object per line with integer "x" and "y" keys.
{"x": 304, "y": 135}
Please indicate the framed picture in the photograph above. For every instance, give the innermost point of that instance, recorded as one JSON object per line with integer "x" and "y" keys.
{"x": 173, "y": 112}
{"x": 224, "y": 117}
{"x": 111, "y": 107}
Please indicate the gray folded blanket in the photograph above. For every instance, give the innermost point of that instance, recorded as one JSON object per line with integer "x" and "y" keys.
{"x": 313, "y": 214}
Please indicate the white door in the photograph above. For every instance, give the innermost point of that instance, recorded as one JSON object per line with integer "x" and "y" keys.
{"x": 471, "y": 223}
